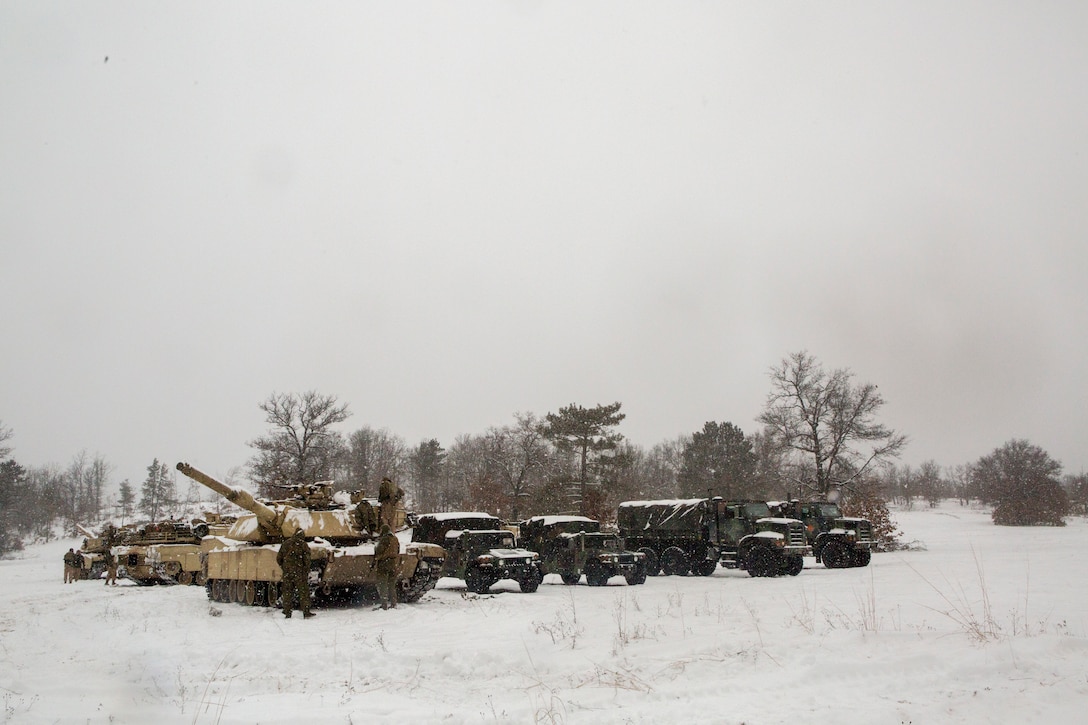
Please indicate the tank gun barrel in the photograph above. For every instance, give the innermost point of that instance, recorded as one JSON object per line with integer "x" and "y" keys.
{"x": 86, "y": 532}
{"x": 265, "y": 514}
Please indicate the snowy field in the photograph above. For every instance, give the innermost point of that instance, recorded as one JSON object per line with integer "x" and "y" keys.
{"x": 986, "y": 624}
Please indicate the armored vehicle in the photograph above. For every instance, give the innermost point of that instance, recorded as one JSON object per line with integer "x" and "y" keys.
{"x": 698, "y": 534}
{"x": 836, "y": 540}
{"x": 480, "y": 550}
{"x": 94, "y": 549}
{"x": 572, "y": 545}
{"x": 161, "y": 552}
{"x": 240, "y": 566}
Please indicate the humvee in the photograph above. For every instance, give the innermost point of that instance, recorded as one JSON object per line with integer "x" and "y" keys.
{"x": 479, "y": 550}
{"x": 572, "y": 545}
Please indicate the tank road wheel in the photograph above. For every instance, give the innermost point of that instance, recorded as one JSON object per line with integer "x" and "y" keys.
{"x": 653, "y": 566}
{"x": 249, "y": 593}
{"x": 793, "y": 565}
{"x": 200, "y": 579}
{"x": 185, "y": 577}
{"x": 422, "y": 581}
{"x": 705, "y": 567}
{"x": 238, "y": 591}
{"x": 835, "y": 556}
{"x": 476, "y": 581}
{"x": 862, "y": 558}
{"x": 272, "y": 594}
{"x": 760, "y": 561}
{"x": 596, "y": 574}
{"x": 570, "y": 577}
{"x": 530, "y": 582}
{"x": 674, "y": 561}
{"x": 173, "y": 569}
{"x": 638, "y": 576}
{"x": 219, "y": 590}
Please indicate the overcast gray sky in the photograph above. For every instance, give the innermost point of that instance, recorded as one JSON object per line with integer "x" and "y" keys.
{"x": 446, "y": 213}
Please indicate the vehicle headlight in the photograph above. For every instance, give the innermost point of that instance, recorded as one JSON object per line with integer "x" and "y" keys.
{"x": 780, "y": 543}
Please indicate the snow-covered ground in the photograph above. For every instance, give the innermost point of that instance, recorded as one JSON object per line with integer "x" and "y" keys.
{"x": 986, "y": 624}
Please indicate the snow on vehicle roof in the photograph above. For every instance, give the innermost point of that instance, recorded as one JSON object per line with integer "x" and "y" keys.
{"x": 448, "y": 515}
{"x": 549, "y": 520}
{"x": 666, "y": 502}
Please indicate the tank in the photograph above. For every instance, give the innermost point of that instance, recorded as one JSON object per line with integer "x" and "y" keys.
{"x": 94, "y": 549}
{"x": 161, "y": 552}
{"x": 240, "y": 566}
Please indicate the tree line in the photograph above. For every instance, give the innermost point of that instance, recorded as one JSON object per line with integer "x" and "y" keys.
{"x": 821, "y": 437}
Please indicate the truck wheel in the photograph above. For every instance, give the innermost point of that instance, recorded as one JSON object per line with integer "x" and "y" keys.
{"x": 794, "y": 565}
{"x": 638, "y": 576}
{"x": 674, "y": 561}
{"x": 531, "y": 581}
{"x": 835, "y": 556}
{"x": 476, "y": 581}
{"x": 704, "y": 567}
{"x": 760, "y": 561}
{"x": 653, "y": 567}
{"x": 862, "y": 558}
{"x": 570, "y": 577}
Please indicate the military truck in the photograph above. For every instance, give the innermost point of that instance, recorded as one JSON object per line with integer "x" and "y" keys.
{"x": 696, "y": 535}
{"x": 837, "y": 541}
{"x": 241, "y": 567}
{"x": 572, "y": 545}
{"x": 480, "y": 550}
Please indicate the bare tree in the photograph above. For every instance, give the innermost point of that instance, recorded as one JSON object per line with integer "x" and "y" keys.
{"x": 517, "y": 454}
{"x": 371, "y": 455}
{"x": 829, "y": 421}
{"x": 301, "y": 446}
{"x": 5, "y": 436}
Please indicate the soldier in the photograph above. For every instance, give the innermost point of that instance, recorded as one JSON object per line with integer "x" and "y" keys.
{"x": 111, "y": 568}
{"x": 70, "y": 566}
{"x": 389, "y": 495}
{"x": 387, "y": 556}
{"x": 365, "y": 516}
{"x": 294, "y": 558}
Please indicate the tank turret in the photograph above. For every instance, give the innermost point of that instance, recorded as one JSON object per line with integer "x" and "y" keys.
{"x": 240, "y": 565}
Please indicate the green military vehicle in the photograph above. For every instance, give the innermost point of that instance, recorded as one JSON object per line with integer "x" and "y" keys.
{"x": 837, "y": 541}
{"x": 696, "y": 535}
{"x": 572, "y": 545}
{"x": 479, "y": 550}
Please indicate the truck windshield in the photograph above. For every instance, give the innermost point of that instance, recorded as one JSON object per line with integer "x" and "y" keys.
{"x": 756, "y": 510}
{"x": 830, "y": 510}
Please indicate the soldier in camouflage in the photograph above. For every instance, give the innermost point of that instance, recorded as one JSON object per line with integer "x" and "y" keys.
{"x": 387, "y": 556}
{"x": 294, "y": 559}
{"x": 389, "y": 495}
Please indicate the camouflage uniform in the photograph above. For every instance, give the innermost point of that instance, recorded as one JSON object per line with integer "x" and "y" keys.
{"x": 111, "y": 568}
{"x": 365, "y": 517}
{"x": 387, "y": 557}
{"x": 70, "y": 566}
{"x": 294, "y": 558}
{"x": 389, "y": 495}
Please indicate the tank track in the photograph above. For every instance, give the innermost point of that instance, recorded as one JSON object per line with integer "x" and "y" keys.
{"x": 421, "y": 582}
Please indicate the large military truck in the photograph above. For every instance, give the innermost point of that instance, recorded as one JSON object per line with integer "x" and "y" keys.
{"x": 696, "y": 535}
{"x": 572, "y": 545}
{"x": 837, "y": 541}
{"x": 479, "y": 550}
{"x": 241, "y": 567}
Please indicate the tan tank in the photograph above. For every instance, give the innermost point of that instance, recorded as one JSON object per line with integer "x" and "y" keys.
{"x": 94, "y": 550}
{"x": 240, "y": 566}
{"x": 161, "y": 552}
